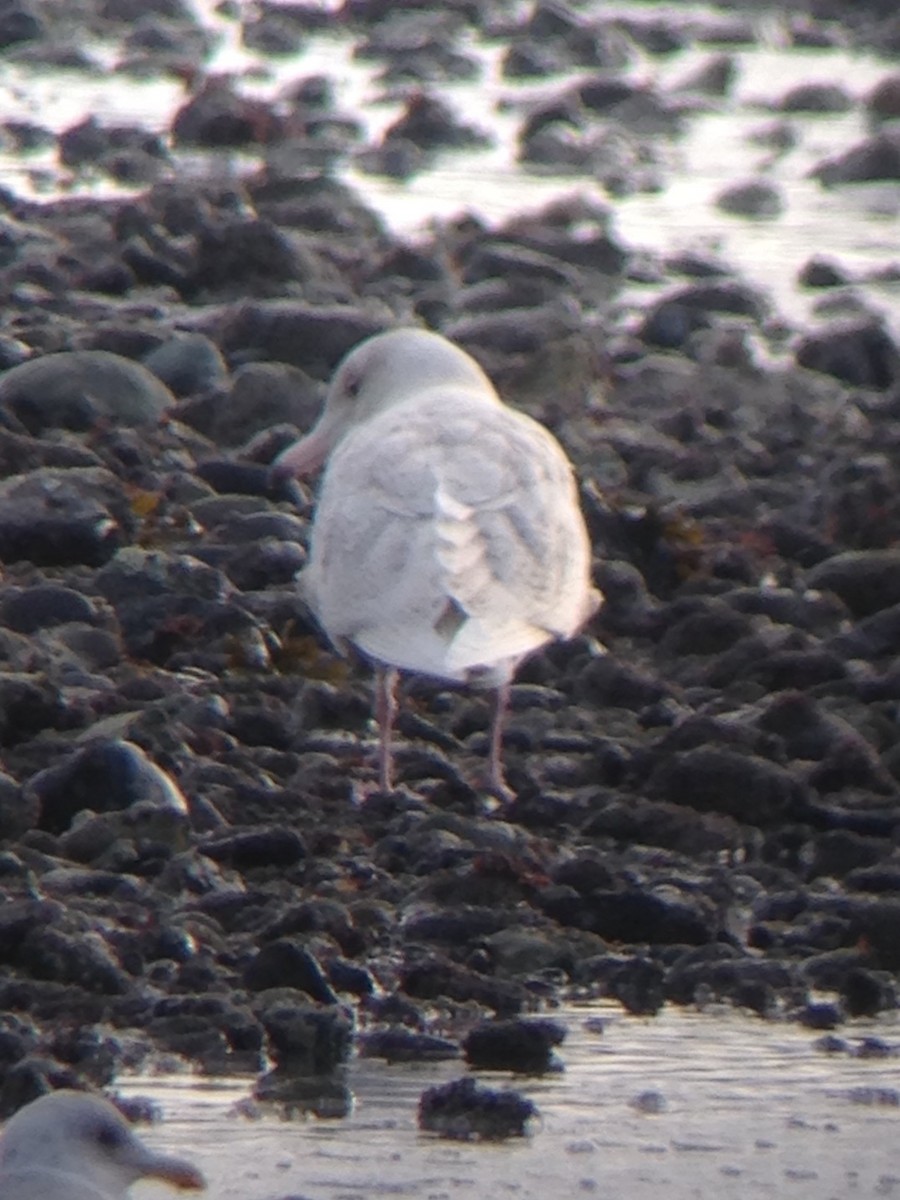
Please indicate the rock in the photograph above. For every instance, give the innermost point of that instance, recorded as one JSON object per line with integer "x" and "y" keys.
{"x": 816, "y": 98}
{"x": 430, "y": 125}
{"x": 671, "y": 320}
{"x": 399, "y": 1044}
{"x": 718, "y": 779}
{"x": 105, "y": 776}
{"x": 303, "y": 1038}
{"x": 821, "y": 273}
{"x": 754, "y": 198}
{"x": 310, "y": 337}
{"x": 463, "y": 1110}
{"x": 883, "y": 102}
{"x": 217, "y": 116}
{"x": 42, "y": 606}
{"x": 287, "y": 963}
{"x": 77, "y": 388}
{"x": 866, "y": 580}
{"x": 874, "y": 158}
{"x": 860, "y": 353}
{"x": 187, "y": 364}
{"x": 29, "y": 704}
{"x": 714, "y": 77}
{"x": 53, "y": 517}
{"x": 263, "y": 395}
{"x": 524, "y": 1046}
{"x": 272, "y": 847}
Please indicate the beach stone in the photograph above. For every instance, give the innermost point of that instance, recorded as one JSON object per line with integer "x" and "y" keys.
{"x": 188, "y": 363}
{"x": 289, "y": 331}
{"x": 883, "y": 102}
{"x": 719, "y": 779}
{"x": 755, "y": 198}
{"x": 399, "y": 1044}
{"x": 515, "y": 1045}
{"x": 816, "y": 98}
{"x": 877, "y": 157}
{"x": 860, "y": 353}
{"x": 430, "y": 124}
{"x": 465, "y": 1109}
{"x": 263, "y": 395}
{"x": 303, "y": 1038}
{"x": 218, "y": 116}
{"x": 104, "y": 776}
{"x": 821, "y": 273}
{"x": 867, "y": 581}
{"x": 43, "y": 605}
{"x": 75, "y": 389}
{"x": 287, "y": 963}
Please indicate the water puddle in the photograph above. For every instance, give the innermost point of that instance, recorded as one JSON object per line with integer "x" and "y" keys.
{"x": 702, "y": 1105}
{"x": 855, "y": 226}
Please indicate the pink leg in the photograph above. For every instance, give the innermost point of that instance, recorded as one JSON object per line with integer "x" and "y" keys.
{"x": 496, "y": 779}
{"x": 385, "y": 711}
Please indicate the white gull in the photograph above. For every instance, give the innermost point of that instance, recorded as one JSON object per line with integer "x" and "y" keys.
{"x": 448, "y": 538}
{"x": 75, "y": 1146}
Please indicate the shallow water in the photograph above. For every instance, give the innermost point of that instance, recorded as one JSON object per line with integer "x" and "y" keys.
{"x": 751, "y": 1108}
{"x": 857, "y": 226}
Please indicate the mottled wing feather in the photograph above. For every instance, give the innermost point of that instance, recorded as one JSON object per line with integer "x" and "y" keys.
{"x": 451, "y": 501}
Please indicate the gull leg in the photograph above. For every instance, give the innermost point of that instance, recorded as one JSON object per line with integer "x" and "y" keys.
{"x": 496, "y": 778}
{"x": 385, "y": 711}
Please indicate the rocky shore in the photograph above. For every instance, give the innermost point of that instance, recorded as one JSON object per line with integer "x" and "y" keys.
{"x": 195, "y": 866}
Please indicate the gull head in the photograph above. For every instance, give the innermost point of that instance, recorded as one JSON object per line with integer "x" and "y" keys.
{"x": 383, "y": 371}
{"x": 74, "y": 1136}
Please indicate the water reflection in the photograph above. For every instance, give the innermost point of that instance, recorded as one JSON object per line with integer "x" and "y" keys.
{"x": 742, "y": 1107}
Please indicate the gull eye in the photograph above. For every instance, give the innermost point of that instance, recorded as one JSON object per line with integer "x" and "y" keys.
{"x": 353, "y": 384}
{"x": 110, "y": 1137}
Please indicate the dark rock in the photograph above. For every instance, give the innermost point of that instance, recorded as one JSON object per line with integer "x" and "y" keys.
{"x": 287, "y": 963}
{"x": 75, "y": 389}
{"x": 263, "y": 395}
{"x": 862, "y": 354}
{"x": 42, "y": 606}
{"x": 105, "y": 776}
{"x": 821, "y": 273}
{"x": 83, "y": 959}
{"x": 866, "y": 580}
{"x": 430, "y": 124}
{"x": 522, "y": 1046}
{"x": 883, "y": 102}
{"x": 310, "y": 337}
{"x": 188, "y": 363}
{"x": 431, "y": 978}
{"x": 638, "y": 986}
{"x": 816, "y": 98}
{"x": 633, "y": 916}
{"x": 53, "y": 517}
{"x": 350, "y": 977}
{"x": 17, "y": 814}
{"x": 29, "y": 704}
{"x": 464, "y": 1110}
{"x": 303, "y": 1038}
{"x": 399, "y": 1044}
{"x": 217, "y": 116}
{"x": 755, "y": 198}
{"x": 719, "y": 779}
{"x": 673, "y": 318}
{"x": 273, "y": 847}
{"x": 877, "y": 157}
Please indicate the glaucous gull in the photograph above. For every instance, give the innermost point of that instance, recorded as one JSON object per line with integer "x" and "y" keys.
{"x": 448, "y": 538}
{"x": 74, "y": 1146}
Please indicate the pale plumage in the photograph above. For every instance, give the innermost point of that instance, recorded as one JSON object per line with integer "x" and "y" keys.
{"x": 75, "y": 1146}
{"x": 447, "y": 538}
